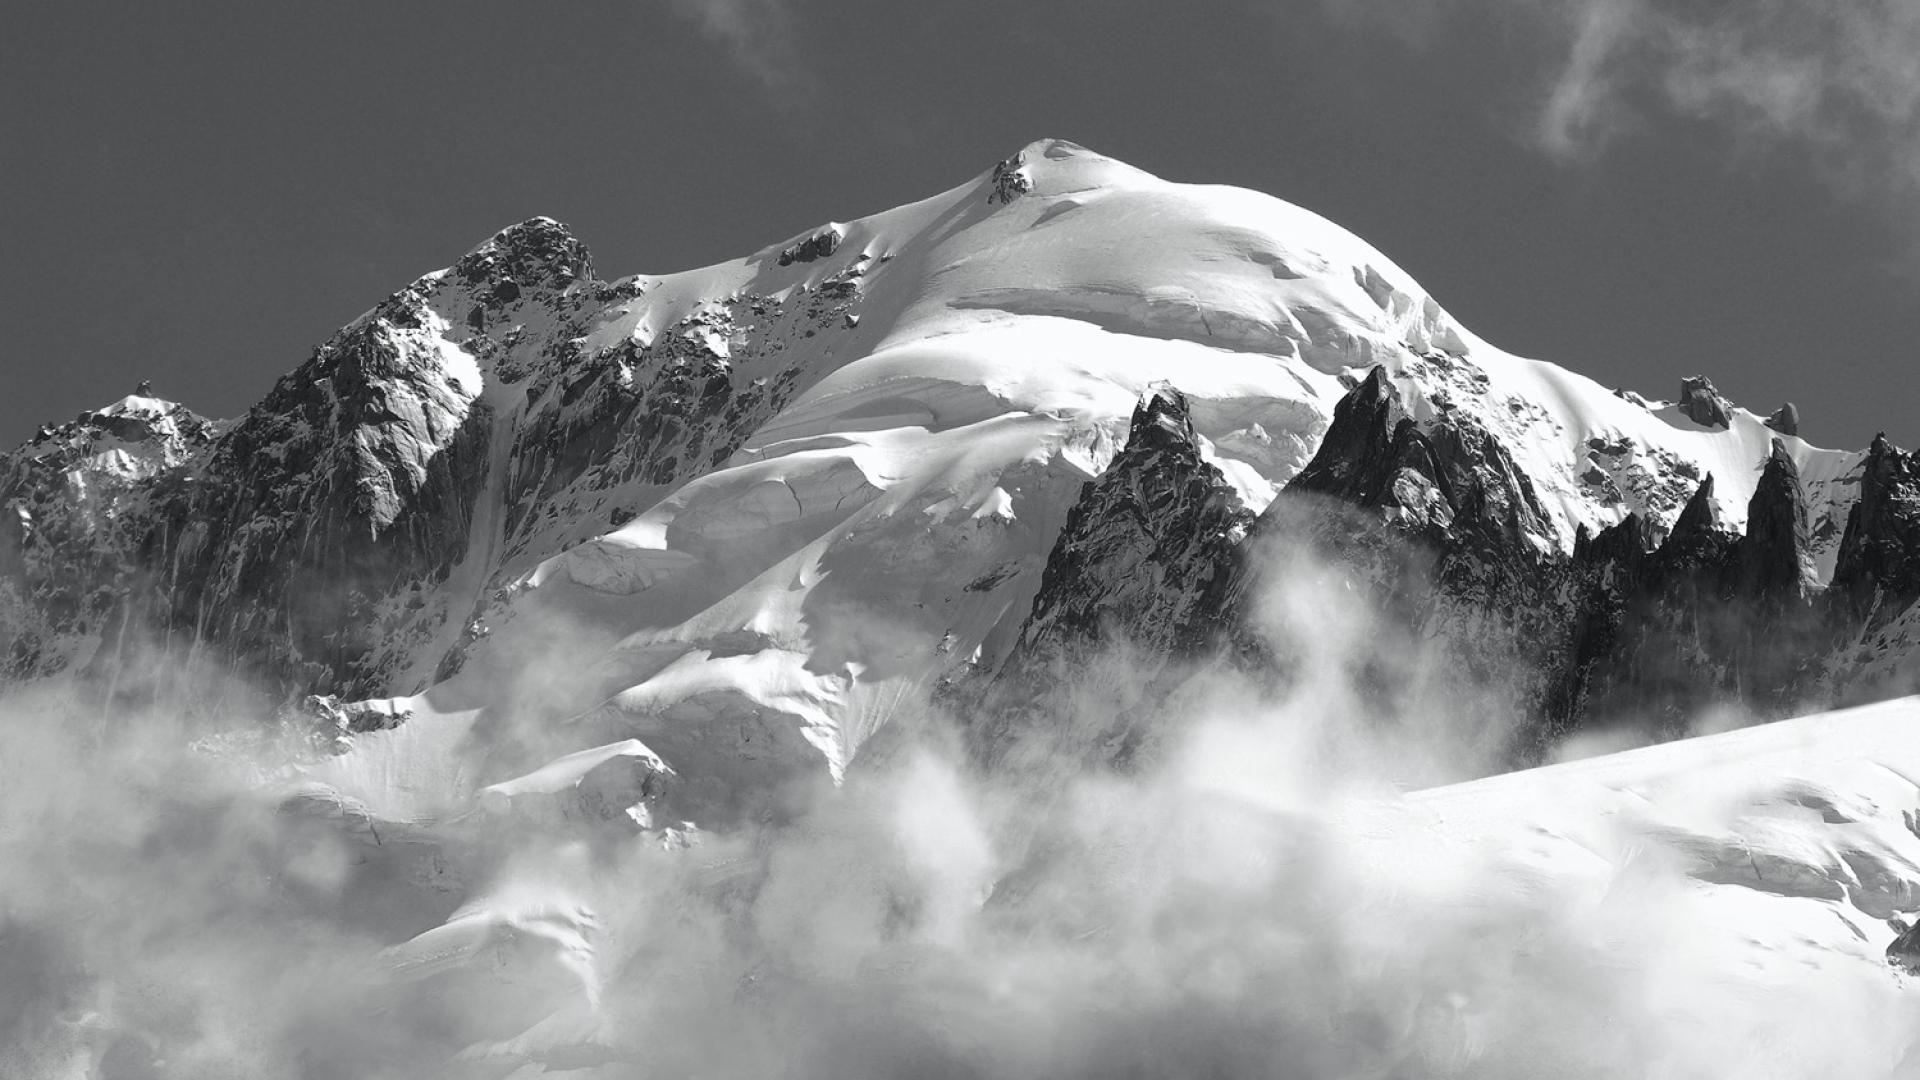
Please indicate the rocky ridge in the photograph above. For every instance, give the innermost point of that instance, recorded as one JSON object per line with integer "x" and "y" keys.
{"x": 309, "y": 545}
{"x": 1640, "y": 625}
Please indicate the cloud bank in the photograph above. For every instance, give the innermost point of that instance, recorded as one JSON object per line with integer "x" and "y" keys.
{"x": 1241, "y": 903}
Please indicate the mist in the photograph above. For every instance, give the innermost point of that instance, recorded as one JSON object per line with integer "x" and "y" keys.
{"x": 1254, "y": 895}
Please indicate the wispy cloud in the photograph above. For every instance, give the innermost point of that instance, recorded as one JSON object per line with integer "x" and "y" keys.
{"x": 1838, "y": 79}
{"x": 1835, "y": 81}
{"x": 1581, "y": 109}
{"x": 758, "y": 36}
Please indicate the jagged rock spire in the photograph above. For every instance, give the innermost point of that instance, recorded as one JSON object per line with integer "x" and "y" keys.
{"x": 1144, "y": 561}
{"x": 539, "y": 253}
{"x": 1879, "y": 561}
{"x": 1774, "y": 559}
{"x": 1360, "y": 435}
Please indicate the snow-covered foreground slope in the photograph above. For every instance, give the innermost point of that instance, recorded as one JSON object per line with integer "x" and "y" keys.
{"x": 1715, "y": 907}
{"x": 1721, "y": 906}
{"x": 1256, "y": 904}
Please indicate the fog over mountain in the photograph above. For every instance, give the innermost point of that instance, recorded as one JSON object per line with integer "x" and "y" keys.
{"x": 1076, "y": 624}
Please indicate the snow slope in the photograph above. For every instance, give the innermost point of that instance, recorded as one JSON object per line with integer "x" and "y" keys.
{"x": 1714, "y": 907}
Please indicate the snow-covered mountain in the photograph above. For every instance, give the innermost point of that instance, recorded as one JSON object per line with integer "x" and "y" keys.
{"x": 522, "y": 548}
{"x": 767, "y": 501}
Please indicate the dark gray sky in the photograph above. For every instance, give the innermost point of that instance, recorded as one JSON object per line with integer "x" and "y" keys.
{"x": 199, "y": 194}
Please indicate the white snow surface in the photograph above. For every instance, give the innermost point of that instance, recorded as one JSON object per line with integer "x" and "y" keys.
{"x": 1730, "y": 896}
{"x": 781, "y": 607}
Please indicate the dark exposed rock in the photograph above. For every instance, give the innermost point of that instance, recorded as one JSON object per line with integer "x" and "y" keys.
{"x": 818, "y": 246}
{"x": 1775, "y": 565}
{"x": 538, "y": 253}
{"x": 1136, "y": 547}
{"x": 1010, "y": 180}
{"x": 1877, "y": 574}
{"x": 328, "y": 724}
{"x": 1354, "y": 459}
{"x": 1631, "y": 626}
{"x": 1645, "y": 625}
{"x": 654, "y": 412}
{"x": 1904, "y": 951}
{"x": 357, "y": 475}
{"x": 1435, "y": 525}
{"x": 1703, "y": 404}
{"x": 307, "y": 547}
{"x": 71, "y": 529}
{"x": 1697, "y": 538}
{"x": 1142, "y": 564}
{"x": 1442, "y": 537}
{"x": 293, "y": 544}
{"x": 1707, "y": 617}
{"x": 1785, "y": 419}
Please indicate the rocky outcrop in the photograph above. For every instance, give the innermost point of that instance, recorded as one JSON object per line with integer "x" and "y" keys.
{"x": 1010, "y": 180}
{"x": 1703, "y": 404}
{"x": 1785, "y": 419}
{"x": 1776, "y": 567}
{"x": 1437, "y": 530}
{"x": 818, "y": 246}
{"x": 1442, "y": 540}
{"x": 1903, "y": 953}
{"x": 536, "y": 255}
{"x": 354, "y": 485}
{"x": 643, "y": 413}
{"x": 1140, "y": 569}
{"x": 1705, "y": 617}
{"x": 298, "y": 545}
{"x": 639, "y": 415}
{"x": 1646, "y": 633}
{"x": 349, "y": 535}
{"x": 76, "y": 509}
{"x": 352, "y": 534}
{"x": 1450, "y": 480}
{"x": 1434, "y": 527}
{"x": 1877, "y": 575}
{"x": 326, "y": 724}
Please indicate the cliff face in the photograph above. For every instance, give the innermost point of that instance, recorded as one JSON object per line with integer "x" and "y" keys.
{"x": 1668, "y": 628}
{"x": 80, "y": 504}
{"x": 1141, "y": 568}
{"x": 351, "y": 534}
{"x": 1441, "y": 532}
{"x": 302, "y": 547}
{"x": 1878, "y": 572}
